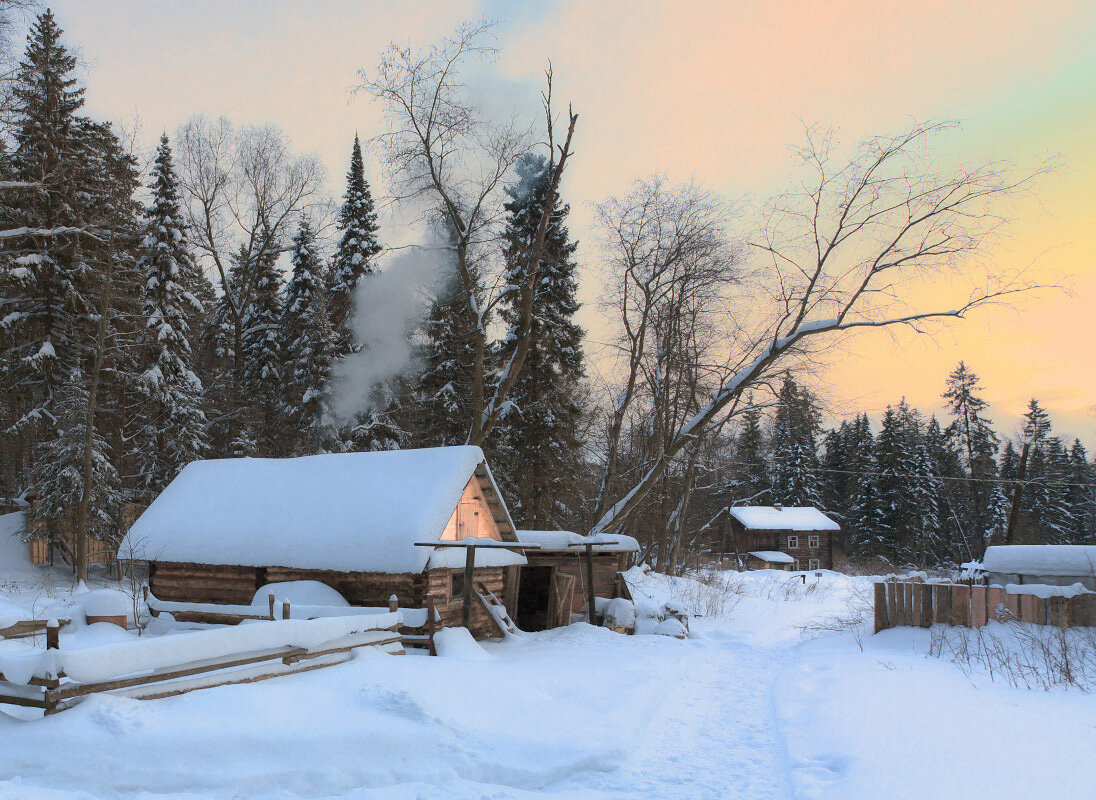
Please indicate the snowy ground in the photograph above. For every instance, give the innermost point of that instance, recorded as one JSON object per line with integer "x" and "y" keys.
{"x": 751, "y": 706}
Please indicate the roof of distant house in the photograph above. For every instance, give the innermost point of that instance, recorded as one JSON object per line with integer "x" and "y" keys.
{"x": 1041, "y": 559}
{"x": 783, "y": 518}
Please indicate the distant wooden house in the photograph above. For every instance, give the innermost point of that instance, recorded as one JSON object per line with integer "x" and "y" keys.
{"x": 553, "y": 586}
{"x": 54, "y": 542}
{"x": 225, "y": 528}
{"x": 776, "y": 537}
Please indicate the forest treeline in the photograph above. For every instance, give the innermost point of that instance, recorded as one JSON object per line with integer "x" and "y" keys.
{"x": 201, "y": 308}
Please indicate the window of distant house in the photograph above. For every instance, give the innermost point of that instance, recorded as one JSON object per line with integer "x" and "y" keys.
{"x": 793, "y": 542}
{"x": 812, "y": 563}
{"x": 456, "y": 587}
{"x": 812, "y": 541}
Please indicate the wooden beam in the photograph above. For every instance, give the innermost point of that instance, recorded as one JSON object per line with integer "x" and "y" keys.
{"x": 469, "y": 577}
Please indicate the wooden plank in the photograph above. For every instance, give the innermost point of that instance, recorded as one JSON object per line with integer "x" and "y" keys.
{"x": 892, "y": 604}
{"x": 977, "y": 606}
{"x": 925, "y": 590}
{"x": 182, "y": 671}
{"x": 1083, "y": 610}
{"x": 1027, "y": 608}
{"x": 1012, "y": 605}
{"x": 906, "y": 595}
{"x": 1058, "y": 611}
{"x": 996, "y": 609}
{"x": 881, "y": 622}
{"x": 941, "y": 602}
{"x": 960, "y": 605}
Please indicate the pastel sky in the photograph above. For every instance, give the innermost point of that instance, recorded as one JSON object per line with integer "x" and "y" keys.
{"x": 716, "y": 91}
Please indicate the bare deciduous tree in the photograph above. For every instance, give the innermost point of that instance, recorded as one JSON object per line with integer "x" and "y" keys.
{"x": 846, "y": 251}
{"x": 440, "y": 150}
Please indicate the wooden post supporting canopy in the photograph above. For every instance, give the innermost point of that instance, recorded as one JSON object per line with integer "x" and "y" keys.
{"x": 470, "y": 545}
{"x": 469, "y": 578}
{"x": 591, "y": 613}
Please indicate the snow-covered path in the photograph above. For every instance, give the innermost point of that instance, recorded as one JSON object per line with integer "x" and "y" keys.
{"x": 715, "y": 735}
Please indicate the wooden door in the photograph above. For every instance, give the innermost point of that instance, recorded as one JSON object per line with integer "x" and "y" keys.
{"x": 559, "y": 602}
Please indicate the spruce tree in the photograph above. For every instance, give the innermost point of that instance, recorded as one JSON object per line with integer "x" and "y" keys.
{"x": 306, "y": 345}
{"x": 794, "y": 448}
{"x": 44, "y": 282}
{"x": 260, "y": 373}
{"x": 356, "y": 253}
{"x": 172, "y": 432}
{"x": 537, "y": 443}
{"x": 974, "y": 441}
{"x": 752, "y": 483}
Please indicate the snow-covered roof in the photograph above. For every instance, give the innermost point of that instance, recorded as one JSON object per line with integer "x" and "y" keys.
{"x": 1041, "y": 559}
{"x": 783, "y": 518}
{"x": 773, "y": 556}
{"x": 567, "y": 540}
{"x": 345, "y": 511}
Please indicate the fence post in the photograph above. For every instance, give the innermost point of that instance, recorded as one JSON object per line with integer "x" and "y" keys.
{"x": 393, "y": 603}
{"x": 53, "y": 635}
{"x": 430, "y": 621}
{"x": 270, "y": 605}
{"x": 285, "y": 609}
{"x": 880, "y": 607}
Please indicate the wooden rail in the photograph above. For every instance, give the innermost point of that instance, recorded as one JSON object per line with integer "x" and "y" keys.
{"x": 917, "y": 604}
{"x": 57, "y": 694}
{"x": 28, "y": 627}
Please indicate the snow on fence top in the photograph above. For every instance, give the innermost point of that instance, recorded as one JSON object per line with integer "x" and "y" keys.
{"x": 1041, "y": 559}
{"x": 107, "y": 661}
{"x": 565, "y": 540}
{"x": 358, "y": 512}
{"x": 783, "y": 518}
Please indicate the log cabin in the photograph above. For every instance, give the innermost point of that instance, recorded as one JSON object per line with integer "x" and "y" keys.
{"x": 226, "y": 527}
{"x": 553, "y": 584}
{"x": 776, "y": 537}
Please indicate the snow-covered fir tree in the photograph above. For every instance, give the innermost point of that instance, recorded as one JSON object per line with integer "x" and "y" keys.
{"x": 260, "y": 372}
{"x": 44, "y": 281}
{"x": 306, "y": 345}
{"x": 356, "y": 252}
{"x": 537, "y": 444}
{"x": 172, "y": 429}
{"x": 795, "y": 465}
{"x": 752, "y": 483}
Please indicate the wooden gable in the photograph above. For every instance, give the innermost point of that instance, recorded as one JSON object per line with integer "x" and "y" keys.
{"x": 474, "y": 516}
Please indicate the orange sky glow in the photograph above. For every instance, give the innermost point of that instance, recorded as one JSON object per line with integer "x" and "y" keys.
{"x": 717, "y": 92}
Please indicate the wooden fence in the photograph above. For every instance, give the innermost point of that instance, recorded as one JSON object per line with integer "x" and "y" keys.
{"x": 58, "y": 693}
{"x": 919, "y": 604}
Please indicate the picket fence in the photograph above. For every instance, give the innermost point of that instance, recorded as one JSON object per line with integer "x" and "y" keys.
{"x": 921, "y": 604}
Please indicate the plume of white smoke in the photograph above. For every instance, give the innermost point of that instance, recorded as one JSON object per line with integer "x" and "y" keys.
{"x": 388, "y": 305}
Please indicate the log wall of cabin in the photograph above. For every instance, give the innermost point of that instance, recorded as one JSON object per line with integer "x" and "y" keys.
{"x": 234, "y": 585}
{"x": 439, "y": 583}
{"x": 777, "y": 540}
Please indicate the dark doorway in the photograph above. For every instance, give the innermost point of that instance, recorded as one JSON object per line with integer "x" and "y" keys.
{"x": 536, "y": 586}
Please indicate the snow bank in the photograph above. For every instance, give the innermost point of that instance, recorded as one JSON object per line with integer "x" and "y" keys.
{"x": 413, "y": 617}
{"x": 308, "y": 593}
{"x": 1044, "y": 590}
{"x": 344, "y": 511}
{"x": 94, "y": 664}
{"x": 458, "y": 643}
{"x": 107, "y": 603}
{"x": 14, "y": 554}
{"x": 1041, "y": 559}
{"x": 785, "y": 518}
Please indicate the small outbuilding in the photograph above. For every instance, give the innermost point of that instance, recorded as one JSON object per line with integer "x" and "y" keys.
{"x": 353, "y": 521}
{"x": 776, "y": 537}
{"x": 1047, "y": 564}
{"x": 555, "y": 583}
